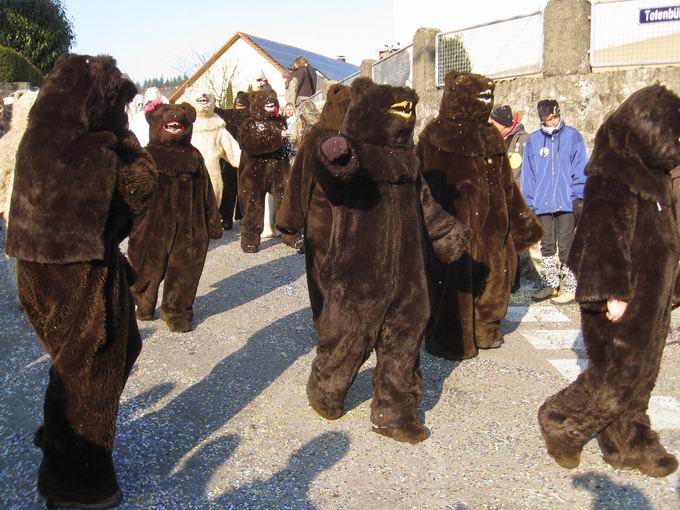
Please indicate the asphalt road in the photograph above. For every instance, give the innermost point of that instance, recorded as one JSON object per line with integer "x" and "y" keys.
{"x": 218, "y": 418}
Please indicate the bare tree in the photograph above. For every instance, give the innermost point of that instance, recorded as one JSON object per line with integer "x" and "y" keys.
{"x": 218, "y": 78}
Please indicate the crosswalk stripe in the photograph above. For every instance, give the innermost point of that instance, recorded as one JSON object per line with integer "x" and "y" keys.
{"x": 569, "y": 368}
{"x": 555, "y": 339}
{"x": 535, "y": 314}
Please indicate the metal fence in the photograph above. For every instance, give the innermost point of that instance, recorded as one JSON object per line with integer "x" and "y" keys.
{"x": 395, "y": 70}
{"x": 319, "y": 99}
{"x": 634, "y": 32}
{"x": 504, "y": 48}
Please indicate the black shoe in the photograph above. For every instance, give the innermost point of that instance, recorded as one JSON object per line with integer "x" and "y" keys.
{"x": 111, "y": 502}
{"x": 227, "y": 224}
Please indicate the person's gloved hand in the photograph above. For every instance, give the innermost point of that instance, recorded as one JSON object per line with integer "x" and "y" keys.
{"x": 335, "y": 148}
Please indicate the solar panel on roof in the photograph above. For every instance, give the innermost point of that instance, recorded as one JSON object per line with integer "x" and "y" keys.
{"x": 284, "y": 55}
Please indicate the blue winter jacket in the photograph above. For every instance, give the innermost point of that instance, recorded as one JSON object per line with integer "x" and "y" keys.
{"x": 553, "y": 170}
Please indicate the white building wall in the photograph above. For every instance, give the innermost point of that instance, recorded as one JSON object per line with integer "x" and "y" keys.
{"x": 245, "y": 64}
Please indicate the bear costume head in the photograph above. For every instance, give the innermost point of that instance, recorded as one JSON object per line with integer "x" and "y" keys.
{"x": 467, "y": 97}
{"x": 381, "y": 114}
{"x": 242, "y": 103}
{"x": 647, "y": 124}
{"x": 264, "y": 105}
{"x": 334, "y": 110}
{"x": 85, "y": 92}
{"x": 171, "y": 124}
{"x": 203, "y": 100}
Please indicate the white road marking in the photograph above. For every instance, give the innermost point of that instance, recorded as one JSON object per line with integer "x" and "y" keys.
{"x": 555, "y": 339}
{"x": 535, "y": 314}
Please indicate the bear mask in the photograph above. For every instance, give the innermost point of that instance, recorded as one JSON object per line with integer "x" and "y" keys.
{"x": 381, "y": 114}
{"x": 467, "y": 96}
{"x": 171, "y": 124}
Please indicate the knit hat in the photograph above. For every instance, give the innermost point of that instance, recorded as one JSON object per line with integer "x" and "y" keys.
{"x": 502, "y": 115}
{"x": 547, "y": 107}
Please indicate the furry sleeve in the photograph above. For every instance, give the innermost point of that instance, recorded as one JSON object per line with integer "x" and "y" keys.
{"x": 449, "y": 236}
{"x": 292, "y": 214}
{"x": 258, "y": 138}
{"x": 136, "y": 174}
{"x": 212, "y": 212}
{"x": 525, "y": 228}
{"x": 230, "y": 148}
{"x": 600, "y": 255}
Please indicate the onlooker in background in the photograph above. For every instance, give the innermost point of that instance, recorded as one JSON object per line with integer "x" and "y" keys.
{"x": 301, "y": 83}
{"x": 552, "y": 183}
{"x": 513, "y": 134}
{"x": 263, "y": 83}
{"x": 515, "y": 138}
{"x": 139, "y": 126}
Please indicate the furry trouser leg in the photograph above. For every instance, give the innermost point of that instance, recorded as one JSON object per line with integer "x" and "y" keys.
{"x": 568, "y": 280}
{"x": 185, "y": 266}
{"x": 339, "y": 356}
{"x": 450, "y": 333}
{"x": 83, "y": 314}
{"x": 613, "y": 391}
{"x": 491, "y": 304}
{"x": 251, "y": 196}
{"x": 550, "y": 272}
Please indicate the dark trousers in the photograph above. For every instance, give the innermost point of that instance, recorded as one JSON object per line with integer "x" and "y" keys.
{"x": 229, "y": 203}
{"x": 559, "y": 229}
{"x": 83, "y": 314}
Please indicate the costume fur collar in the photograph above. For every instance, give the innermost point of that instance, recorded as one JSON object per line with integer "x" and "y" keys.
{"x": 470, "y": 138}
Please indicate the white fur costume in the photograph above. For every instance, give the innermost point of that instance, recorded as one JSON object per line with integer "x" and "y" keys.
{"x": 9, "y": 144}
{"x": 139, "y": 126}
{"x": 210, "y": 136}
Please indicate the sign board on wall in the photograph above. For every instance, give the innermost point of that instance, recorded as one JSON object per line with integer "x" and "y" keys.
{"x": 660, "y": 14}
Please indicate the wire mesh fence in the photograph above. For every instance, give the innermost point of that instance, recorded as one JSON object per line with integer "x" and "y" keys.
{"x": 510, "y": 47}
{"x": 634, "y": 32}
{"x": 396, "y": 70}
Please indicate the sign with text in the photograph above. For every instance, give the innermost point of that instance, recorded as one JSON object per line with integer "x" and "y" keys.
{"x": 660, "y": 14}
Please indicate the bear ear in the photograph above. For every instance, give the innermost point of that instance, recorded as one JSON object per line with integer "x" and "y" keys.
{"x": 450, "y": 78}
{"x": 190, "y": 111}
{"x": 360, "y": 86}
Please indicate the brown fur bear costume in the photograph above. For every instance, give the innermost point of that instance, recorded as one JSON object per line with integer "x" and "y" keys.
{"x": 233, "y": 117}
{"x": 90, "y": 176}
{"x": 264, "y": 167}
{"x": 170, "y": 241}
{"x": 366, "y": 227}
{"x": 465, "y": 162}
{"x": 305, "y": 203}
{"x": 626, "y": 248}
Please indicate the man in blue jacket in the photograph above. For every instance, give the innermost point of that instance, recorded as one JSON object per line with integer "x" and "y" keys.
{"x": 552, "y": 183}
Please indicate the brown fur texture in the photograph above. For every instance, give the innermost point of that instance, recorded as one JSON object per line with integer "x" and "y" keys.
{"x": 80, "y": 178}
{"x": 626, "y": 247}
{"x": 464, "y": 160}
{"x": 367, "y": 222}
{"x": 264, "y": 168}
{"x": 170, "y": 241}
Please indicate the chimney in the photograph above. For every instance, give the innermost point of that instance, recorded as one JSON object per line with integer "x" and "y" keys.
{"x": 341, "y": 58}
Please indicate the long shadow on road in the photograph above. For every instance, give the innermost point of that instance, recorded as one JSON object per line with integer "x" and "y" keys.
{"x": 608, "y": 494}
{"x": 152, "y": 445}
{"x": 248, "y": 285}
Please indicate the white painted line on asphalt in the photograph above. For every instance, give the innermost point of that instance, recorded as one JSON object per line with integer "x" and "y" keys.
{"x": 569, "y": 368}
{"x": 535, "y": 314}
{"x": 555, "y": 339}
{"x": 664, "y": 413}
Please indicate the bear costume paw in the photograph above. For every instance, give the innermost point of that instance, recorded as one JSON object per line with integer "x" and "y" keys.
{"x": 567, "y": 456}
{"x": 453, "y": 244}
{"x": 410, "y": 433}
{"x": 651, "y": 460}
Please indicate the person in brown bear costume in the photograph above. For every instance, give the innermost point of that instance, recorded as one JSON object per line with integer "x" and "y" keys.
{"x": 170, "y": 241}
{"x": 233, "y": 118}
{"x": 264, "y": 168}
{"x": 80, "y": 178}
{"x": 305, "y": 204}
{"x": 465, "y": 162}
{"x": 368, "y": 225}
{"x": 625, "y": 255}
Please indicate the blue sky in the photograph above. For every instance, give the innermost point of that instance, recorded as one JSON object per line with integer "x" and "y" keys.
{"x": 153, "y": 38}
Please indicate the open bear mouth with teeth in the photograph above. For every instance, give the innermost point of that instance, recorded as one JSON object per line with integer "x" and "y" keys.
{"x": 173, "y": 127}
{"x": 202, "y": 101}
{"x": 485, "y": 96}
{"x": 402, "y": 109}
{"x": 269, "y": 107}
